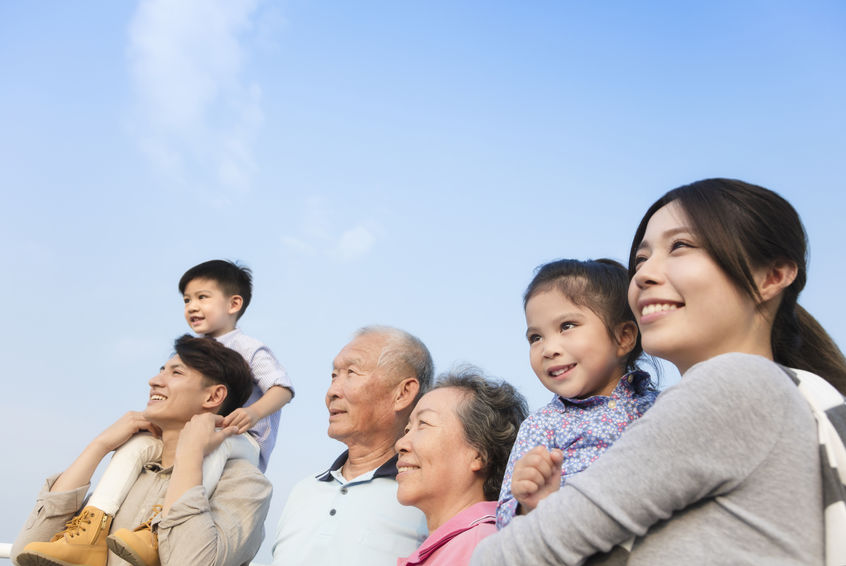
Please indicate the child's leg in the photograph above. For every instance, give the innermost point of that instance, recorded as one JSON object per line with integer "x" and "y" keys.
{"x": 123, "y": 470}
{"x": 239, "y": 446}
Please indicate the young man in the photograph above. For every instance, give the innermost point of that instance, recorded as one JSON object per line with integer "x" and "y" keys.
{"x": 189, "y": 399}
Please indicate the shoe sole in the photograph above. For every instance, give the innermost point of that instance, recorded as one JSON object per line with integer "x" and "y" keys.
{"x": 37, "y": 559}
{"x": 124, "y": 551}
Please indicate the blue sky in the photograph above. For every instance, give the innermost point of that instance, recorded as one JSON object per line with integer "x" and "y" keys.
{"x": 404, "y": 163}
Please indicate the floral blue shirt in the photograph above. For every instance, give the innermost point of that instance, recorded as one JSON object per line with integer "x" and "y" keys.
{"x": 582, "y": 428}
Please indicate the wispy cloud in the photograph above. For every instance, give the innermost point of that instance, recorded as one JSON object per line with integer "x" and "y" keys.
{"x": 196, "y": 113}
{"x": 320, "y": 234}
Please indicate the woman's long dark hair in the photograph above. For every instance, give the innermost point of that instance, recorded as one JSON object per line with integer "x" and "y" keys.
{"x": 743, "y": 227}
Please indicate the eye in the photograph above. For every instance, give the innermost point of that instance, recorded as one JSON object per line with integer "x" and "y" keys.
{"x": 203, "y": 297}
{"x": 532, "y": 338}
{"x": 679, "y": 244}
{"x": 567, "y": 325}
{"x": 186, "y": 299}
{"x": 638, "y": 260}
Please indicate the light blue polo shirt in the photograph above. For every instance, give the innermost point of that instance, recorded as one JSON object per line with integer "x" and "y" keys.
{"x": 330, "y": 521}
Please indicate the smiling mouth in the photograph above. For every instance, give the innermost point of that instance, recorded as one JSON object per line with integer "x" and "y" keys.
{"x": 157, "y": 397}
{"x": 401, "y": 469}
{"x": 558, "y": 371}
{"x": 196, "y": 319}
{"x": 658, "y": 307}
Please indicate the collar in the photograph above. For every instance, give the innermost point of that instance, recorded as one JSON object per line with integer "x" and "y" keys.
{"x": 386, "y": 470}
{"x": 632, "y": 384}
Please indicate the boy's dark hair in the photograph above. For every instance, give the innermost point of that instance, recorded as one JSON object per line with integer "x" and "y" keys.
{"x": 219, "y": 365}
{"x": 232, "y": 278}
{"x": 602, "y": 285}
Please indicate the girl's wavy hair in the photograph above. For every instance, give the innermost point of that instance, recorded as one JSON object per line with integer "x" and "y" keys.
{"x": 744, "y": 227}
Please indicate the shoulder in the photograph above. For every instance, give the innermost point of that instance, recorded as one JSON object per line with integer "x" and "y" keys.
{"x": 242, "y": 471}
{"x": 738, "y": 372}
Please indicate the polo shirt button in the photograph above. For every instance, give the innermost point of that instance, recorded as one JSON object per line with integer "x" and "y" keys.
{"x": 343, "y": 491}
{"x": 631, "y": 378}
{"x": 332, "y": 511}
{"x": 612, "y": 403}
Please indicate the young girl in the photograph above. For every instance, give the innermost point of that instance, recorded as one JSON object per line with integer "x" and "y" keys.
{"x": 583, "y": 346}
{"x": 733, "y": 465}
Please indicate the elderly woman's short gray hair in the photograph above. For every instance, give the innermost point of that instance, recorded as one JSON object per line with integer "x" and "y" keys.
{"x": 490, "y": 414}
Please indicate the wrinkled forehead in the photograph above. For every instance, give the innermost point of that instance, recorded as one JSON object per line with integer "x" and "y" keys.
{"x": 362, "y": 351}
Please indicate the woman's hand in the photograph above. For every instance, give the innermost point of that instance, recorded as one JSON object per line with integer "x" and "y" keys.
{"x": 536, "y": 475}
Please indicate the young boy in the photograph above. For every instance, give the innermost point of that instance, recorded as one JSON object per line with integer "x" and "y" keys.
{"x": 216, "y": 294}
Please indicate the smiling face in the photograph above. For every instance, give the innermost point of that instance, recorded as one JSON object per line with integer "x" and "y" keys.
{"x": 360, "y": 397}
{"x": 570, "y": 348}
{"x": 438, "y": 469}
{"x": 208, "y": 310}
{"x": 686, "y": 307}
{"x": 177, "y": 393}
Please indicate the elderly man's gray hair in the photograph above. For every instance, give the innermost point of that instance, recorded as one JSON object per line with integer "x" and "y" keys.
{"x": 402, "y": 352}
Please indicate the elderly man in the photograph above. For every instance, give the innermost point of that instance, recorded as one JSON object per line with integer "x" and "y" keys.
{"x": 349, "y": 514}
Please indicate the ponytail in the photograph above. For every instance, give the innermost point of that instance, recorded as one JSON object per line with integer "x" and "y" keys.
{"x": 800, "y": 342}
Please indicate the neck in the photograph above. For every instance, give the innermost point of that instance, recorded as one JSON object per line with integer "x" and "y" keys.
{"x": 362, "y": 459}
{"x": 454, "y": 504}
{"x": 221, "y": 332}
{"x": 169, "y": 440}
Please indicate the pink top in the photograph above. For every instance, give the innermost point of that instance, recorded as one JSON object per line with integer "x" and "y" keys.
{"x": 453, "y": 542}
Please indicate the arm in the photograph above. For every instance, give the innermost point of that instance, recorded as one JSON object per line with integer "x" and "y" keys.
{"x": 197, "y": 439}
{"x": 79, "y": 473}
{"x": 246, "y": 417}
{"x": 531, "y": 435}
{"x": 659, "y": 466}
{"x": 224, "y": 530}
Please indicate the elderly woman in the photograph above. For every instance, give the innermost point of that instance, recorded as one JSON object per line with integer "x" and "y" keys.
{"x": 451, "y": 462}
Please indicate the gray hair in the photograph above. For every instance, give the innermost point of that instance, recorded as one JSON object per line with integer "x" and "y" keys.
{"x": 402, "y": 352}
{"x": 491, "y": 415}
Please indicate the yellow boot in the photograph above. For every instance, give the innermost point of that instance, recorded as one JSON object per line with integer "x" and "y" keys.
{"x": 139, "y": 547}
{"x": 82, "y": 543}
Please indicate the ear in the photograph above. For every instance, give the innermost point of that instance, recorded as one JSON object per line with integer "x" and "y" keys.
{"x": 215, "y": 395}
{"x": 405, "y": 392}
{"x": 779, "y": 276}
{"x": 477, "y": 464}
{"x": 626, "y": 336}
{"x": 235, "y": 303}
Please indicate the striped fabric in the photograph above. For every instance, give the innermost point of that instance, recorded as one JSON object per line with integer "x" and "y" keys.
{"x": 829, "y": 410}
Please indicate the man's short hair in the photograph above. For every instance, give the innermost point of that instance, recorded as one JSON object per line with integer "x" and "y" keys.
{"x": 218, "y": 365}
{"x": 403, "y": 352}
{"x": 233, "y": 279}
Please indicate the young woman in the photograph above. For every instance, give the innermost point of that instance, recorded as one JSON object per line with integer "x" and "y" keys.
{"x": 726, "y": 467}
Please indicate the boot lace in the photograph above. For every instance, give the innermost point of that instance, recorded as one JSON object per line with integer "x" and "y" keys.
{"x": 75, "y": 525}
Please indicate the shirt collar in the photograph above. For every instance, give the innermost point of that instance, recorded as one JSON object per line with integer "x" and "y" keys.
{"x": 386, "y": 470}
{"x": 630, "y": 385}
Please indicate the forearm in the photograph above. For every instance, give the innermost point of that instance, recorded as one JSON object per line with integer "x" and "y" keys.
{"x": 79, "y": 473}
{"x": 49, "y": 515}
{"x": 187, "y": 473}
{"x": 273, "y": 399}
{"x": 225, "y": 529}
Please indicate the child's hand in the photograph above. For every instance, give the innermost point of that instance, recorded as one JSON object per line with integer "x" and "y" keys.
{"x": 204, "y": 432}
{"x": 243, "y": 417}
{"x": 123, "y": 429}
{"x": 536, "y": 475}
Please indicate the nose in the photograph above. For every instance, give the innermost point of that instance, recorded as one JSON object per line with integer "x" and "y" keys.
{"x": 334, "y": 391}
{"x": 648, "y": 272}
{"x": 190, "y": 305}
{"x": 401, "y": 445}
{"x": 156, "y": 379}
{"x": 551, "y": 347}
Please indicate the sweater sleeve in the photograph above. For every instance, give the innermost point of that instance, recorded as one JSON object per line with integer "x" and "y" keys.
{"x": 701, "y": 439}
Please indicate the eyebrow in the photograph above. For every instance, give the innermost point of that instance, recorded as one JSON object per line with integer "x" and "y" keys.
{"x": 668, "y": 234}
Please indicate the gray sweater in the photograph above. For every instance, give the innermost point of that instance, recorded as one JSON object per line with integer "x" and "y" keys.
{"x": 724, "y": 469}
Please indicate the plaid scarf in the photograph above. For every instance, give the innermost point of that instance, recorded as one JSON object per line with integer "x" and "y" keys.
{"x": 829, "y": 410}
